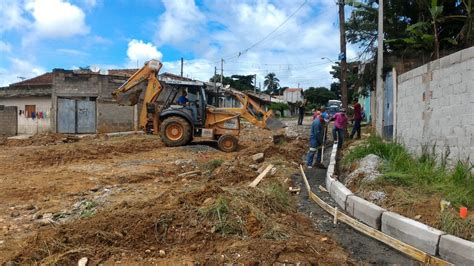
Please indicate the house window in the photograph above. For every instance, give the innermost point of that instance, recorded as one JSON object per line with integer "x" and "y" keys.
{"x": 29, "y": 110}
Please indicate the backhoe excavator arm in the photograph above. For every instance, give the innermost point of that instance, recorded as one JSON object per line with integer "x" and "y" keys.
{"x": 250, "y": 110}
{"x": 129, "y": 92}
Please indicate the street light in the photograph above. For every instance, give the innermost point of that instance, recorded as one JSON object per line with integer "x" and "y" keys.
{"x": 322, "y": 58}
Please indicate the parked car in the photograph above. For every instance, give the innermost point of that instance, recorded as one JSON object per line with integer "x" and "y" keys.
{"x": 332, "y": 110}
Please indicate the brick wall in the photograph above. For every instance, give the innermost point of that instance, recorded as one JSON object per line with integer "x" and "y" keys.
{"x": 8, "y": 120}
{"x": 435, "y": 105}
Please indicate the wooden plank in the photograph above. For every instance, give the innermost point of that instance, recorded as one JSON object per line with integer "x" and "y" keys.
{"x": 378, "y": 235}
{"x": 308, "y": 188}
{"x": 261, "y": 176}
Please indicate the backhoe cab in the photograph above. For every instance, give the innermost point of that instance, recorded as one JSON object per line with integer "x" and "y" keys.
{"x": 178, "y": 124}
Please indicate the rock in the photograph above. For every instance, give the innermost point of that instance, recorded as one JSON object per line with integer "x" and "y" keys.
{"x": 258, "y": 158}
{"x": 377, "y": 196}
{"x": 37, "y": 215}
{"x": 367, "y": 169}
{"x": 44, "y": 221}
{"x": 253, "y": 167}
{"x": 162, "y": 253}
{"x": 147, "y": 251}
{"x": 82, "y": 262}
{"x": 208, "y": 201}
{"x": 418, "y": 217}
{"x": 30, "y": 207}
{"x": 14, "y": 214}
{"x": 181, "y": 162}
{"x": 273, "y": 171}
{"x": 47, "y": 216}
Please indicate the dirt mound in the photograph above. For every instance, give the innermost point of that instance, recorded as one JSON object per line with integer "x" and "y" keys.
{"x": 37, "y": 140}
{"x": 207, "y": 225}
{"x": 89, "y": 151}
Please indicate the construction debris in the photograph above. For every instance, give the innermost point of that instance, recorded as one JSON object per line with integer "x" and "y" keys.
{"x": 261, "y": 176}
{"x": 258, "y": 158}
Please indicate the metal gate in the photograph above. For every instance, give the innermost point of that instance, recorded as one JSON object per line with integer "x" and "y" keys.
{"x": 66, "y": 115}
{"x": 76, "y": 116}
{"x": 85, "y": 116}
{"x": 388, "y": 107}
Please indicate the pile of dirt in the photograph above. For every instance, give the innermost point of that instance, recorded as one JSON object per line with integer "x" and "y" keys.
{"x": 207, "y": 224}
{"x": 37, "y": 140}
{"x": 89, "y": 151}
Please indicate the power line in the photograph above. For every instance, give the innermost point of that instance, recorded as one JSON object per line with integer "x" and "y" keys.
{"x": 268, "y": 35}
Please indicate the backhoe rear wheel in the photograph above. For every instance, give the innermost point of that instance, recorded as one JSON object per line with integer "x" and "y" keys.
{"x": 175, "y": 131}
{"x": 227, "y": 143}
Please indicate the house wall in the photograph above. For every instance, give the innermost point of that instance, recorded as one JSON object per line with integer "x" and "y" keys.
{"x": 435, "y": 104}
{"x": 379, "y": 104}
{"x": 29, "y": 125}
{"x": 110, "y": 117}
{"x": 365, "y": 102}
{"x": 293, "y": 96}
{"x": 8, "y": 120}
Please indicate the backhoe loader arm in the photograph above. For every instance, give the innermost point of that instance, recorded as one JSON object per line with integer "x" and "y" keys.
{"x": 250, "y": 110}
{"x": 129, "y": 92}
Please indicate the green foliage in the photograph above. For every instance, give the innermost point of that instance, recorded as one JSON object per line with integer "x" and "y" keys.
{"x": 400, "y": 168}
{"x": 238, "y": 82}
{"x": 220, "y": 211}
{"x": 319, "y": 96}
{"x": 277, "y": 193}
{"x": 281, "y": 107}
{"x": 88, "y": 208}
{"x": 214, "y": 164}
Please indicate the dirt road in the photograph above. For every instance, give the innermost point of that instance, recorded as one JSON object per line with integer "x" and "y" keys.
{"x": 130, "y": 199}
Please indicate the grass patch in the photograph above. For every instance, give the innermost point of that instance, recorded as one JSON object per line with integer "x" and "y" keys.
{"x": 214, "y": 164}
{"x": 88, "y": 208}
{"x": 220, "y": 212}
{"x": 451, "y": 223}
{"x": 277, "y": 193}
{"x": 427, "y": 172}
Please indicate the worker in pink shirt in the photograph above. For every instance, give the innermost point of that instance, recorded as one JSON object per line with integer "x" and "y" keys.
{"x": 340, "y": 124}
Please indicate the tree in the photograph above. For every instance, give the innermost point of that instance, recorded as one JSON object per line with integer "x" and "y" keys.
{"x": 279, "y": 107}
{"x": 352, "y": 79}
{"x": 319, "y": 96}
{"x": 271, "y": 83}
{"x": 238, "y": 82}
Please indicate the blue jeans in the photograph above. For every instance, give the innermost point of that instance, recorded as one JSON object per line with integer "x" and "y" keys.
{"x": 338, "y": 135}
{"x": 310, "y": 156}
{"x": 356, "y": 128}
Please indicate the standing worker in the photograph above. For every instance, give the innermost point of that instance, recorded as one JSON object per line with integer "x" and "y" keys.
{"x": 301, "y": 110}
{"x": 315, "y": 143}
{"x": 340, "y": 124}
{"x": 357, "y": 118}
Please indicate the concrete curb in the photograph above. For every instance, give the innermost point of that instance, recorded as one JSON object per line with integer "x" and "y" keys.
{"x": 419, "y": 235}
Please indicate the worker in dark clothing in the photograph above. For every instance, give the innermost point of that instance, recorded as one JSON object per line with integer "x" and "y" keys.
{"x": 315, "y": 143}
{"x": 357, "y": 118}
{"x": 301, "y": 109}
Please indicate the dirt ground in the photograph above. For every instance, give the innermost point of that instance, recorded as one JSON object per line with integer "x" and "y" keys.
{"x": 129, "y": 199}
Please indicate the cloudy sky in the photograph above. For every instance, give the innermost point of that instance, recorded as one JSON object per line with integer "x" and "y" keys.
{"x": 39, "y": 35}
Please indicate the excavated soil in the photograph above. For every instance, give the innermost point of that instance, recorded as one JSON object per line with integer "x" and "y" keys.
{"x": 131, "y": 199}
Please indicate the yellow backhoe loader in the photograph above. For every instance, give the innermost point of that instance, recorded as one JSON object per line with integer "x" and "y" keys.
{"x": 179, "y": 124}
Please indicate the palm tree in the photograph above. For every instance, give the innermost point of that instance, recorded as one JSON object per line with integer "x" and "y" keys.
{"x": 271, "y": 83}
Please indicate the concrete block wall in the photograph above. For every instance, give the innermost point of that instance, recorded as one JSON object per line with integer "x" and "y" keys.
{"x": 434, "y": 106}
{"x": 8, "y": 120}
{"x": 111, "y": 117}
{"x": 27, "y": 125}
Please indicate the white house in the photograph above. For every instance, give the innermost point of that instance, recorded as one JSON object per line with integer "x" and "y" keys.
{"x": 32, "y": 97}
{"x": 293, "y": 95}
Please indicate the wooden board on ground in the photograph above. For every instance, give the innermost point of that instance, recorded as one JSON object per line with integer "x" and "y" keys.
{"x": 261, "y": 176}
{"x": 378, "y": 235}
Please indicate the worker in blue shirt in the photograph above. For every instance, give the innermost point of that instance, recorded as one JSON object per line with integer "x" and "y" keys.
{"x": 183, "y": 100}
{"x": 315, "y": 142}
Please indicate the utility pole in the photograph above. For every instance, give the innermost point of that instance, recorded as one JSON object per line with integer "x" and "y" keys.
{"x": 342, "y": 55}
{"x": 255, "y": 83}
{"x": 222, "y": 69}
{"x": 181, "y": 67}
{"x": 378, "y": 79}
{"x": 215, "y": 86}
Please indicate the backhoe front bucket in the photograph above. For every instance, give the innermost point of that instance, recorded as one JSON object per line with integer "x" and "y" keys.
{"x": 274, "y": 124}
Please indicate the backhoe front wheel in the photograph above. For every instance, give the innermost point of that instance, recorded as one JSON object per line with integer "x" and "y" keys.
{"x": 175, "y": 131}
{"x": 227, "y": 143}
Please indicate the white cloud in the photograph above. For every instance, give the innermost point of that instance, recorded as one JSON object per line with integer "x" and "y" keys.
{"x": 222, "y": 29}
{"x": 19, "y": 68}
{"x": 5, "y": 47}
{"x": 181, "y": 21}
{"x": 11, "y": 15}
{"x": 56, "y": 18}
{"x": 138, "y": 52}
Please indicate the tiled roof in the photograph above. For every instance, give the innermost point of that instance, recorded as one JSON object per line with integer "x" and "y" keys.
{"x": 41, "y": 80}
{"x": 128, "y": 72}
{"x": 293, "y": 89}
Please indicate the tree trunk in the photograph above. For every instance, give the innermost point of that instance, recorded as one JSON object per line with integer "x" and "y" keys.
{"x": 436, "y": 41}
